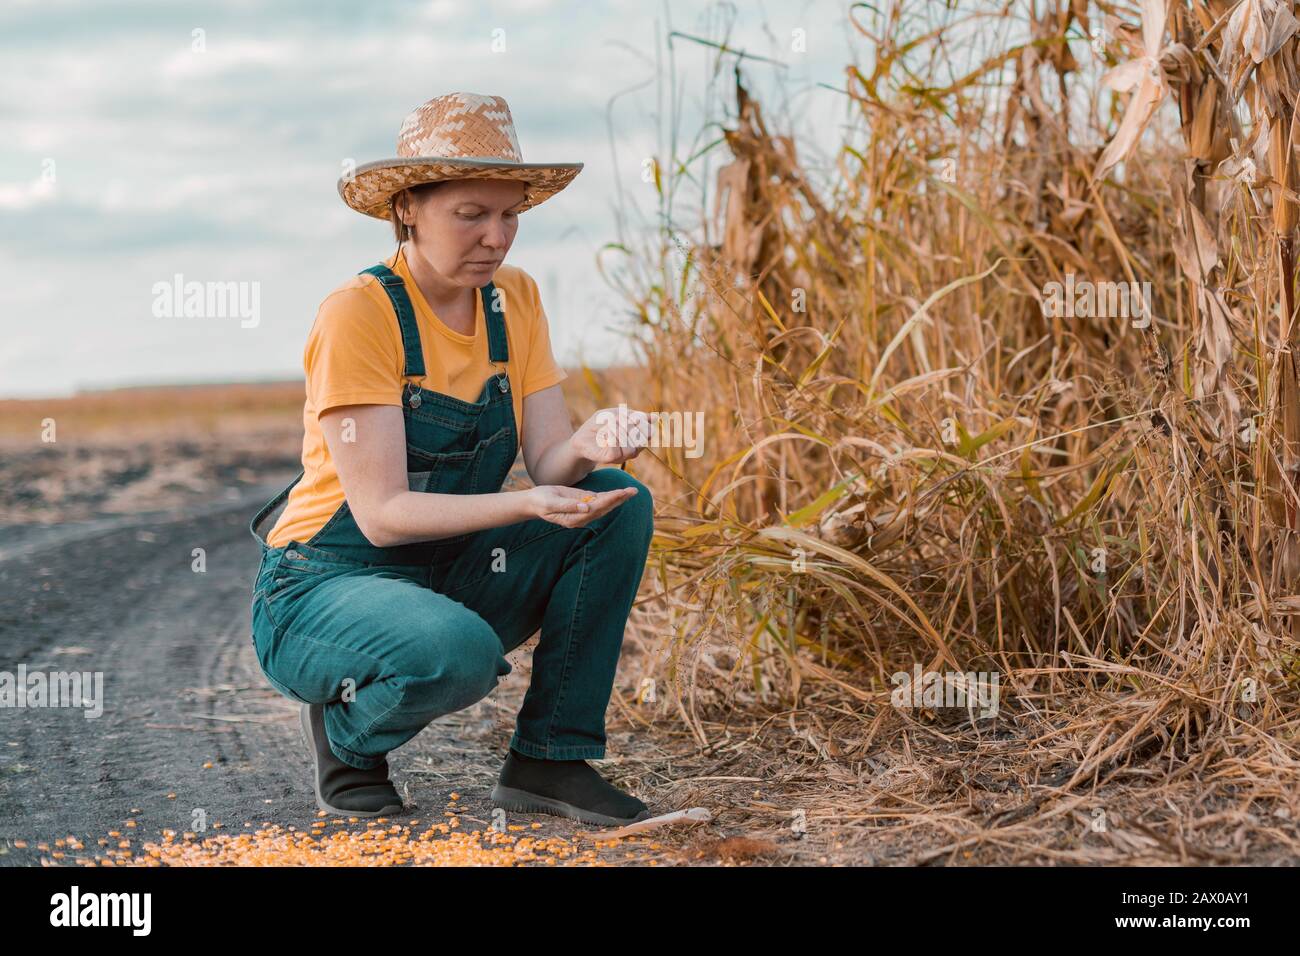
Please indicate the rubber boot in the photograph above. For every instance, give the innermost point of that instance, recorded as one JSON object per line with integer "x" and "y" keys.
{"x": 341, "y": 788}
{"x": 564, "y": 788}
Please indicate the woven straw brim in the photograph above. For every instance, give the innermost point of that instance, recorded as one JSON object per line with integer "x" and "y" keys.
{"x": 374, "y": 184}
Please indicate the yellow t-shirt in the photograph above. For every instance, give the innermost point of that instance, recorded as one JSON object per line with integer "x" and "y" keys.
{"x": 354, "y": 356}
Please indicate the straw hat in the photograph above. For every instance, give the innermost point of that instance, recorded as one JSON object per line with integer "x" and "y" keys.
{"x": 457, "y": 136}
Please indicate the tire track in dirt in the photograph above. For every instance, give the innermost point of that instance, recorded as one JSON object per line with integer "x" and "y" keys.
{"x": 167, "y": 638}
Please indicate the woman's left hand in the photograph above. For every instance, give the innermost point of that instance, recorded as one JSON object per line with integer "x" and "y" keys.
{"x": 598, "y": 438}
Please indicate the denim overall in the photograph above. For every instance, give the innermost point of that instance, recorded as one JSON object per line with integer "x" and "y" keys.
{"x": 391, "y": 638}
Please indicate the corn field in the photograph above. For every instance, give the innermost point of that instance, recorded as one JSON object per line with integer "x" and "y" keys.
{"x": 913, "y": 457}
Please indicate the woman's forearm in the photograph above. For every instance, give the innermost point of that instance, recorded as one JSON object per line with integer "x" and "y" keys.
{"x": 561, "y": 465}
{"x": 426, "y": 516}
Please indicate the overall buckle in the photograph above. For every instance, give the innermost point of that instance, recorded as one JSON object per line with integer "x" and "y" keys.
{"x": 413, "y": 398}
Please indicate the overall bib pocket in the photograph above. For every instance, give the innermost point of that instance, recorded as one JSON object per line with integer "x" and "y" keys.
{"x": 420, "y": 480}
{"x": 458, "y": 472}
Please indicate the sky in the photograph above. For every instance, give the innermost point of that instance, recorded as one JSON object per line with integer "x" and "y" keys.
{"x": 144, "y": 140}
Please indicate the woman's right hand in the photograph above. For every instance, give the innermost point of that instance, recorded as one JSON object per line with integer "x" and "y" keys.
{"x": 574, "y": 507}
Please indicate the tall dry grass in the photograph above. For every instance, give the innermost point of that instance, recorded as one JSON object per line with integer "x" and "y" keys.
{"x": 909, "y": 462}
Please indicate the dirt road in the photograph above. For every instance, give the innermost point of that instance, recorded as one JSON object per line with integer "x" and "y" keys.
{"x": 190, "y": 733}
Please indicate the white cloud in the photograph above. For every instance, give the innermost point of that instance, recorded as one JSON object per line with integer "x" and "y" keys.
{"x": 441, "y": 11}
{"x": 37, "y": 135}
{"x": 26, "y": 195}
{"x": 221, "y": 54}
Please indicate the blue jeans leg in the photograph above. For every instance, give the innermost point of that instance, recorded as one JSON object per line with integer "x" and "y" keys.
{"x": 385, "y": 654}
{"x": 577, "y": 585}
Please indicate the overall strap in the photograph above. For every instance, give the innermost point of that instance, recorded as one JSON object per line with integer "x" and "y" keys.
{"x": 271, "y": 506}
{"x": 495, "y": 319}
{"x": 396, "y": 290}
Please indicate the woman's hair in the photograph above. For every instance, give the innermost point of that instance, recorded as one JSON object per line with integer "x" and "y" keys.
{"x": 401, "y": 231}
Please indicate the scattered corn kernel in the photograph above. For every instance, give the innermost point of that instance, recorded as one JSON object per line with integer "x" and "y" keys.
{"x": 396, "y": 844}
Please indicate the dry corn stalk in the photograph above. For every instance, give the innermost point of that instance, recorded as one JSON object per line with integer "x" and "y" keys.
{"x": 1245, "y": 49}
{"x": 1078, "y": 503}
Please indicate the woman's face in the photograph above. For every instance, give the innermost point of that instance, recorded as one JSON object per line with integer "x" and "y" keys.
{"x": 464, "y": 228}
